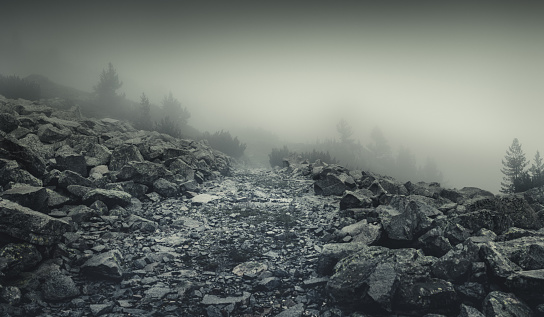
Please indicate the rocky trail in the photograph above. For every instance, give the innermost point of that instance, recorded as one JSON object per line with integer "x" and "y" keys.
{"x": 100, "y": 219}
{"x": 246, "y": 245}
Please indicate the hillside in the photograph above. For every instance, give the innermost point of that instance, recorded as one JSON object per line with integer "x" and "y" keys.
{"x": 98, "y": 218}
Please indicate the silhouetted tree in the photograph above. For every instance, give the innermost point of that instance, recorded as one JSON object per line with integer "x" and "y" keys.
{"x": 345, "y": 131}
{"x": 514, "y": 164}
{"x": 108, "y": 84}
{"x": 224, "y": 142}
{"x": 172, "y": 108}
{"x": 379, "y": 146}
{"x": 537, "y": 171}
{"x": 144, "y": 118}
{"x": 13, "y": 87}
{"x": 168, "y": 126}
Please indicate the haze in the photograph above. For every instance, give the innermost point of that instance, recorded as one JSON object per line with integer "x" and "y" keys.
{"x": 454, "y": 83}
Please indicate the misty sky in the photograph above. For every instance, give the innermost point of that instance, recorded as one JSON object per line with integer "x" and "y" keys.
{"x": 456, "y": 83}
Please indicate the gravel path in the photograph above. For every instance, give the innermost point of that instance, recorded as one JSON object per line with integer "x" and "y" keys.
{"x": 245, "y": 245}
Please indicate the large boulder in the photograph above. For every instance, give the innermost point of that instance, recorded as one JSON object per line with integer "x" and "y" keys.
{"x": 104, "y": 265}
{"x": 503, "y": 304}
{"x": 51, "y": 134}
{"x": 67, "y": 178}
{"x": 25, "y": 156}
{"x": 363, "y": 231}
{"x": 8, "y": 122}
{"x": 356, "y": 199}
{"x": 33, "y": 197}
{"x": 11, "y": 172}
{"x": 58, "y": 286}
{"x": 19, "y": 257}
{"x": 111, "y": 198}
{"x": 124, "y": 154}
{"x": 165, "y": 188}
{"x": 67, "y": 160}
{"x": 144, "y": 172}
{"x": 29, "y": 225}
{"x": 333, "y": 184}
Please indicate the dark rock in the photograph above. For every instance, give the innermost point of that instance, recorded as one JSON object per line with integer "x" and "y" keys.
{"x": 332, "y": 184}
{"x": 179, "y": 167}
{"x": 469, "y": 311}
{"x": 101, "y": 309}
{"x": 216, "y": 300}
{"x": 505, "y": 304}
{"x": 12, "y": 149}
{"x": 67, "y": 178}
{"x": 428, "y": 295}
{"x": 105, "y": 265}
{"x": 497, "y": 262}
{"x": 110, "y": 197}
{"x": 98, "y": 154}
{"x": 269, "y": 284}
{"x": 50, "y": 134}
{"x": 29, "y": 225}
{"x": 71, "y": 162}
{"x": 457, "y": 263}
{"x": 81, "y": 213}
{"x": 527, "y": 282}
{"x": 58, "y": 286}
{"x": 10, "y": 172}
{"x": 144, "y": 172}
{"x": 294, "y": 311}
{"x": 56, "y": 199}
{"x": 527, "y": 252}
{"x": 165, "y": 188}
{"x": 8, "y": 122}
{"x": 19, "y": 257}
{"x": 124, "y": 154}
{"x": 434, "y": 243}
{"x": 134, "y": 189}
{"x": 356, "y": 199}
{"x": 35, "y": 198}
{"x": 78, "y": 191}
{"x": 10, "y": 295}
{"x": 332, "y": 253}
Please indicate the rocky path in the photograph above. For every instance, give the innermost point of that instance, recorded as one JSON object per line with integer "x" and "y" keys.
{"x": 246, "y": 245}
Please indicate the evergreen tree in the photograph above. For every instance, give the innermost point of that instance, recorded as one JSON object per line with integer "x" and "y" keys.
{"x": 144, "y": 119}
{"x": 108, "y": 84}
{"x": 379, "y": 146}
{"x": 172, "y": 108}
{"x": 345, "y": 131}
{"x": 514, "y": 164}
{"x": 537, "y": 171}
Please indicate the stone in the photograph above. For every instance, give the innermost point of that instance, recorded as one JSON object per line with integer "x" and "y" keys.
{"x": 331, "y": 184}
{"x": 71, "y": 162}
{"x": 56, "y": 199}
{"x": 35, "y": 198}
{"x": 58, "y": 286}
{"x": 434, "y": 243}
{"x": 134, "y": 189}
{"x": 165, "y": 188}
{"x": 104, "y": 265}
{"x": 25, "y": 156}
{"x": 29, "y": 225}
{"x": 143, "y": 172}
{"x": 98, "y": 154}
{"x": 8, "y": 122}
{"x": 11, "y": 172}
{"x": 526, "y": 282}
{"x": 203, "y": 199}
{"x": 10, "y": 295}
{"x": 48, "y": 133}
{"x": 123, "y": 154}
{"x": 68, "y": 177}
{"x": 293, "y": 311}
{"x": 110, "y": 197}
{"x": 427, "y": 295}
{"x": 216, "y": 300}
{"x": 332, "y": 253}
{"x": 501, "y": 304}
{"x": 364, "y": 232}
{"x": 497, "y": 262}
{"x": 456, "y": 264}
{"x": 249, "y": 269}
{"x": 356, "y": 199}
{"x": 19, "y": 257}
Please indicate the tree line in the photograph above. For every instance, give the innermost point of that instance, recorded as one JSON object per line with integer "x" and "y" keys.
{"x": 518, "y": 177}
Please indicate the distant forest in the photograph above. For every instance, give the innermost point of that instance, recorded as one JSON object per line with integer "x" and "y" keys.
{"x": 263, "y": 148}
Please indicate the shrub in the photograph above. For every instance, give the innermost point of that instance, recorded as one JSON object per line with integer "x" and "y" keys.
{"x": 13, "y": 87}
{"x": 224, "y": 142}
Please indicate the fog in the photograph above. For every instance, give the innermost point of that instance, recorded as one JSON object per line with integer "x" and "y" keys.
{"x": 454, "y": 83}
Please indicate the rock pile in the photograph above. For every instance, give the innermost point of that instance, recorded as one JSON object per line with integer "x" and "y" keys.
{"x": 58, "y": 171}
{"x": 421, "y": 249}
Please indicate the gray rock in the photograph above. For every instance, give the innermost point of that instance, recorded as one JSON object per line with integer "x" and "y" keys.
{"x": 51, "y": 134}
{"x": 58, "y": 286}
{"x": 144, "y": 172}
{"x": 434, "y": 243}
{"x": 505, "y": 305}
{"x": 71, "y": 162}
{"x": 19, "y": 257}
{"x": 98, "y": 154}
{"x": 25, "y": 156}
{"x": 498, "y": 263}
{"x": 294, "y": 311}
{"x": 105, "y": 265}
{"x": 427, "y": 295}
{"x": 81, "y": 213}
{"x": 124, "y": 154}
{"x": 29, "y": 225}
{"x": 165, "y": 188}
{"x": 68, "y": 177}
{"x": 101, "y": 309}
{"x": 8, "y": 122}
{"x": 56, "y": 199}
{"x": 356, "y": 199}
{"x": 216, "y": 300}
{"x": 203, "y": 199}
{"x": 110, "y": 197}
{"x": 35, "y": 198}
{"x": 10, "y": 172}
{"x": 457, "y": 263}
{"x": 333, "y": 252}
{"x": 332, "y": 184}
{"x": 364, "y": 232}
{"x": 526, "y": 281}
{"x": 134, "y": 189}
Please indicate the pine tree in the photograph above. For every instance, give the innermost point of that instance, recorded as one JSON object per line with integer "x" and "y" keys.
{"x": 108, "y": 84}
{"x": 514, "y": 163}
{"x": 345, "y": 131}
{"x": 144, "y": 119}
{"x": 172, "y": 108}
{"x": 537, "y": 171}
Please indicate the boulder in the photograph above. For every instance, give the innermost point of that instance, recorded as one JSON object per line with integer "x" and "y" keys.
{"x": 58, "y": 286}
{"x": 165, "y": 188}
{"x": 19, "y": 257}
{"x": 364, "y": 232}
{"x": 427, "y": 295}
{"x": 356, "y": 199}
{"x": 71, "y": 162}
{"x": 456, "y": 264}
{"x": 333, "y": 252}
{"x": 29, "y": 225}
{"x": 503, "y": 304}
{"x": 25, "y": 156}
{"x": 434, "y": 243}
{"x": 98, "y": 154}
{"x": 110, "y": 197}
{"x": 332, "y": 184}
{"x": 33, "y": 197}
{"x": 143, "y": 172}
{"x": 51, "y": 134}
{"x": 104, "y": 265}
{"x": 498, "y": 263}
{"x": 8, "y": 122}
{"x": 67, "y": 178}
{"x": 134, "y": 189}
{"x": 124, "y": 154}
{"x": 10, "y": 172}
